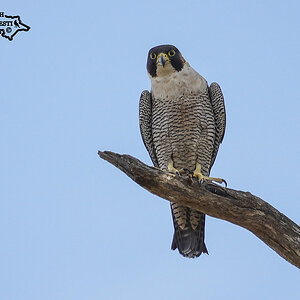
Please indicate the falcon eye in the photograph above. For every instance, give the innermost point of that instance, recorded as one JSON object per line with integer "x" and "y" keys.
{"x": 152, "y": 55}
{"x": 171, "y": 52}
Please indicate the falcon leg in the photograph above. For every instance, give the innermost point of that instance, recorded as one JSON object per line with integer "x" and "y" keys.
{"x": 171, "y": 168}
{"x": 197, "y": 173}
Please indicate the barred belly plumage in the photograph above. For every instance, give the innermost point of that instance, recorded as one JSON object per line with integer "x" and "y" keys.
{"x": 184, "y": 130}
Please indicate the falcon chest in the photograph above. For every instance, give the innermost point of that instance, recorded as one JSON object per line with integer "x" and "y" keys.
{"x": 180, "y": 108}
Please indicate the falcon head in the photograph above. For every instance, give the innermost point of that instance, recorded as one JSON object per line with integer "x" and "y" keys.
{"x": 164, "y": 60}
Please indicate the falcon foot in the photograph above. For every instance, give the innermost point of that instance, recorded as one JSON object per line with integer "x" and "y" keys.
{"x": 171, "y": 168}
{"x": 197, "y": 173}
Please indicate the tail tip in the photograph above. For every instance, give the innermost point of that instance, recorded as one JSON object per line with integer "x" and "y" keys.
{"x": 190, "y": 252}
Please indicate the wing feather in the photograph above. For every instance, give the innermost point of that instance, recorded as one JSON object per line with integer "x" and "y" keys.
{"x": 218, "y": 105}
{"x": 145, "y": 119}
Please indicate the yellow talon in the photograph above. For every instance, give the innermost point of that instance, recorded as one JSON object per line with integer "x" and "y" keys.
{"x": 197, "y": 173}
{"x": 171, "y": 167}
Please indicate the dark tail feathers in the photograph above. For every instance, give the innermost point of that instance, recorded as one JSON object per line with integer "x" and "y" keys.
{"x": 189, "y": 241}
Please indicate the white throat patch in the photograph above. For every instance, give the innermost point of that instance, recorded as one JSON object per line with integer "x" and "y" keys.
{"x": 187, "y": 81}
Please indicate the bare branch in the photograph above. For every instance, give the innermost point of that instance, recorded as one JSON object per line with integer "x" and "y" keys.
{"x": 238, "y": 207}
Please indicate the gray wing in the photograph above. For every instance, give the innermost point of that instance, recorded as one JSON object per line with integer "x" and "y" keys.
{"x": 217, "y": 101}
{"x": 145, "y": 119}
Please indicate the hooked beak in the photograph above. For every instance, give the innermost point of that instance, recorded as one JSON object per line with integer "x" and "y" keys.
{"x": 162, "y": 59}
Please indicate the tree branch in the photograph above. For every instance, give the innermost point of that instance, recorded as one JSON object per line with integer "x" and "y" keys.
{"x": 237, "y": 207}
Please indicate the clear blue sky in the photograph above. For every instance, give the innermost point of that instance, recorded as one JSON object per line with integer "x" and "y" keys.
{"x": 74, "y": 227}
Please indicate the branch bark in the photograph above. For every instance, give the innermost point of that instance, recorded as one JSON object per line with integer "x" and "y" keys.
{"x": 238, "y": 207}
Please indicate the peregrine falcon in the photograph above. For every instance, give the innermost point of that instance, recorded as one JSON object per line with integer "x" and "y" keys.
{"x": 182, "y": 122}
